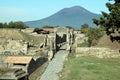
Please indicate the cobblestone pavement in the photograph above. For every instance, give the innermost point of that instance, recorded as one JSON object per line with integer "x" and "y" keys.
{"x": 55, "y": 66}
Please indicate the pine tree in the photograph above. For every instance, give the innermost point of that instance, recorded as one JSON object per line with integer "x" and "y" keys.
{"x": 111, "y": 20}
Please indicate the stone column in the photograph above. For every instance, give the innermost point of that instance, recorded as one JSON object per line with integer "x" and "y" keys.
{"x": 45, "y": 40}
{"x": 72, "y": 38}
{"x": 50, "y": 55}
{"x": 55, "y": 45}
{"x": 51, "y": 44}
{"x": 67, "y": 36}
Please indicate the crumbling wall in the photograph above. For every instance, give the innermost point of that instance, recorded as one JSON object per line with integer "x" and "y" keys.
{"x": 80, "y": 38}
{"x": 16, "y": 47}
{"x": 2, "y": 58}
{"x": 97, "y": 52}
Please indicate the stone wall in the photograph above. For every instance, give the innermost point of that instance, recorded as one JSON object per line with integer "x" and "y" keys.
{"x": 80, "y": 38}
{"x": 2, "y": 58}
{"x": 14, "y": 47}
{"x": 18, "y": 46}
{"x": 97, "y": 52}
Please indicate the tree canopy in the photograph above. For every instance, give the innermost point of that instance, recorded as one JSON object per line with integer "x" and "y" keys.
{"x": 111, "y": 20}
{"x": 94, "y": 34}
{"x": 47, "y": 26}
{"x": 84, "y": 28}
{"x": 17, "y": 25}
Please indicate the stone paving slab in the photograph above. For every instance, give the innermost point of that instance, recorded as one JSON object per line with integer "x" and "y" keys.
{"x": 55, "y": 66}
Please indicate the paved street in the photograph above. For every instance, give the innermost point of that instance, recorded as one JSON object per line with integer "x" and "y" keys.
{"x": 55, "y": 66}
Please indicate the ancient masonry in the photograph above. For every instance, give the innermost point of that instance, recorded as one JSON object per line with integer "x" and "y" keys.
{"x": 97, "y": 52}
{"x": 14, "y": 47}
{"x": 93, "y": 51}
{"x": 61, "y": 35}
{"x": 21, "y": 66}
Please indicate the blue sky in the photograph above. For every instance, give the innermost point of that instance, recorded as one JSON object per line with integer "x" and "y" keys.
{"x": 28, "y": 10}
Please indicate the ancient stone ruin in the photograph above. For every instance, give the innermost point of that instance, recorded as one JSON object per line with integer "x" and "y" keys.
{"x": 14, "y": 47}
{"x": 97, "y": 52}
{"x": 20, "y": 55}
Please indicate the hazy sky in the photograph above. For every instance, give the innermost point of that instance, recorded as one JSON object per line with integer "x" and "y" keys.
{"x": 28, "y": 10}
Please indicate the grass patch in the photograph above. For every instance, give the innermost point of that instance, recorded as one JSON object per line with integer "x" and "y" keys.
{"x": 35, "y": 39}
{"x": 10, "y": 34}
{"x": 16, "y": 34}
{"x": 91, "y": 68}
{"x": 85, "y": 44}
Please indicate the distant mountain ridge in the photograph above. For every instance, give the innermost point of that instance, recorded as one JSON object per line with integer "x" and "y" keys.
{"x": 74, "y": 16}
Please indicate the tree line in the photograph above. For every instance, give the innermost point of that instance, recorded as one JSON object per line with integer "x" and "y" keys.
{"x": 16, "y": 25}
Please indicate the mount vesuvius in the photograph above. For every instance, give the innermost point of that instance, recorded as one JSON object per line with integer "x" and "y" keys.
{"x": 74, "y": 16}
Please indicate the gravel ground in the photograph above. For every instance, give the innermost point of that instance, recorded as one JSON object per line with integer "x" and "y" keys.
{"x": 55, "y": 66}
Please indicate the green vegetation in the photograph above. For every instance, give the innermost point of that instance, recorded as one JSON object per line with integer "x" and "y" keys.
{"x": 90, "y": 68}
{"x": 85, "y": 44}
{"x": 17, "y": 25}
{"x": 111, "y": 20}
{"x": 46, "y": 26}
{"x": 84, "y": 28}
{"x": 94, "y": 34}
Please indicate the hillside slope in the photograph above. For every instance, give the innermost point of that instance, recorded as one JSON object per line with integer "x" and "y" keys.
{"x": 73, "y": 16}
{"x": 10, "y": 34}
{"x": 106, "y": 42}
{"x": 16, "y": 34}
